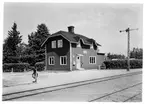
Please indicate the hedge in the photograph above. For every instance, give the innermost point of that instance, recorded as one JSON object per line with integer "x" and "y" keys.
{"x": 32, "y": 59}
{"x": 16, "y": 67}
{"x": 122, "y": 64}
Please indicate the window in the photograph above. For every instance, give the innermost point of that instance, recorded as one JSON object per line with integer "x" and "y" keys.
{"x": 92, "y": 60}
{"x": 51, "y": 60}
{"x": 91, "y": 47}
{"x": 63, "y": 60}
{"x": 60, "y": 44}
{"x": 78, "y": 45}
{"x": 53, "y": 44}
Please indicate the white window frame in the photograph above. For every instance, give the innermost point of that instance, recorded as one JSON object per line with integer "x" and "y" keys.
{"x": 61, "y": 61}
{"x": 60, "y": 43}
{"x": 53, "y": 44}
{"x": 92, "y": 62}
{"x": 50, "y": 58}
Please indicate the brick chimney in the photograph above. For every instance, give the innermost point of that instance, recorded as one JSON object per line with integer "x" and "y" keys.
{"x": 71, "y": 29}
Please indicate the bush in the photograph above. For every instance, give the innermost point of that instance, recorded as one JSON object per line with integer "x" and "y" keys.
{"x": 40, "y": 66}
{"x": 122, "y": 64}
{"x": 136, "y": 63}
{"x": 102, "y": 66}
{"x": 11, "y": 59}
{"x": 16, "y": 67}
{"x": 32, "y": 59}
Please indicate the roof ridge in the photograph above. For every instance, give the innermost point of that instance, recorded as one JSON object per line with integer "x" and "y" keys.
{"x": 73, "y": 37}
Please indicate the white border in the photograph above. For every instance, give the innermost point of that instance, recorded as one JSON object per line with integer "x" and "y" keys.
{"x": 63, "y": 1}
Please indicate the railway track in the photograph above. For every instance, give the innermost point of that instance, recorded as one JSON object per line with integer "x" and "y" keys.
{"x": 132, "y": 97}
{"x": 114, "y": 92}
{"x": 27, "y": 93}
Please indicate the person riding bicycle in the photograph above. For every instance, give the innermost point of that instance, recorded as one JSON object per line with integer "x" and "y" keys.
{"x": 34, "y": 74}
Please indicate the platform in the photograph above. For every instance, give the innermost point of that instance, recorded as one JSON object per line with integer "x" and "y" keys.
{"x": 47, "y": 79}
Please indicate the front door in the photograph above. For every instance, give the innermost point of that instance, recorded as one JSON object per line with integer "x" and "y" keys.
{"x": 78, "y": 62}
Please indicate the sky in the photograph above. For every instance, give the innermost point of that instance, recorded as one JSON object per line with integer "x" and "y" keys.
{"x": 101, "y": 22}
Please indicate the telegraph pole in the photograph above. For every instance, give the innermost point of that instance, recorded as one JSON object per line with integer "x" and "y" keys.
{"x": 128, "y": 46}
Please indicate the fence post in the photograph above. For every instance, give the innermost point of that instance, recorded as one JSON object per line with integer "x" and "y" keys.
{"x": 12, "y": 70}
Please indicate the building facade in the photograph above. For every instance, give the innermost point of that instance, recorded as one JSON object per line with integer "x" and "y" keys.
{"x": 71, "y": 51}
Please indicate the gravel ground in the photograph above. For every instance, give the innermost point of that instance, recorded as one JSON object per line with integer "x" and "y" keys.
{"x": 93, "y": 91}
{"x": 14, "y": 79}
{"x": 17, "y": 78}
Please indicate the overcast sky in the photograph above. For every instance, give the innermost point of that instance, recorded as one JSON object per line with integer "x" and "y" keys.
{"x": 101, "y": 22}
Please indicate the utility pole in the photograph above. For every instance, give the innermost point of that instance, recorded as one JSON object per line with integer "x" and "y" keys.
{"x": 128, "y": 46}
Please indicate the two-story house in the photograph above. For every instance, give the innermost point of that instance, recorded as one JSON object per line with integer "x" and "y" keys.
{"x": 71, "y": 51}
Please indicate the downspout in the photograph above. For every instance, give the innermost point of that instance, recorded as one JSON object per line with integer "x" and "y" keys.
{"x": 70, "y": 57}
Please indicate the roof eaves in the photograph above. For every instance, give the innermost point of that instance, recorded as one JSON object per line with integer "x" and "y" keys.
{"x": 89, "y": 44}
{"x": 44, "y": 41}
{"x": 97, "y": 44}
{"x": 61, "y": 34}
{"x": 84, "y": 42}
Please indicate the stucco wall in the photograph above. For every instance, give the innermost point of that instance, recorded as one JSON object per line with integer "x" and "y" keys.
{"x": 100, "y": 59}
{"x": 84, "y": 59}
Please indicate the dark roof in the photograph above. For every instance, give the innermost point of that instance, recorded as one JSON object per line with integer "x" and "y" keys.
{"x": 72, "y": 37}
{"x": 100, "y": 53}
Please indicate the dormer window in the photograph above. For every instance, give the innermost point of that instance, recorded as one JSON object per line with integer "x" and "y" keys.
{"x": 91, "y": 46}
{"x": 53, "y": 44}
{"x": 78, "y": 45}
{"x": 60, "y": 43}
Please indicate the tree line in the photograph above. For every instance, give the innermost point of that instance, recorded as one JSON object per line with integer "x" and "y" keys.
{"x": 16, "y": 51}
{"x": 135, "y": 53}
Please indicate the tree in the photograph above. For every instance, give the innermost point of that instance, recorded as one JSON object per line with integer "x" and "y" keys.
{"x": 115, "y": 56}
{"x": 136, "y": 53}
{"x": 35, "y": 39}
{"x": 21, "y": 49}
{"x": 11, "y": 43}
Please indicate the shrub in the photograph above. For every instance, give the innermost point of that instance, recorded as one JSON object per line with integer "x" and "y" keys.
{"x": 32, "y": 59}
{"x": 16, "y": 67}
{"x": 103, "y": 66}
{"x": 40, "y": 66}
{"x": 136, "y": 63}
{"x": 11, "y": 59}
{"x": 122, "y": 64}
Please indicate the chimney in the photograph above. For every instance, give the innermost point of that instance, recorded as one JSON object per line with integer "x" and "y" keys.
{"x": 71, "y": 29}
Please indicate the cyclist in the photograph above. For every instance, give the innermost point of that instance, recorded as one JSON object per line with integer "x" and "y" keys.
{"x": 34, "y": 74}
